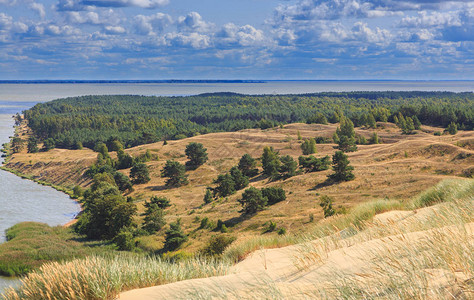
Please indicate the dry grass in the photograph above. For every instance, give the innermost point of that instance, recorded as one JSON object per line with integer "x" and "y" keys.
{"x": 398, "y": 169}
{"x": 99, "y": 277}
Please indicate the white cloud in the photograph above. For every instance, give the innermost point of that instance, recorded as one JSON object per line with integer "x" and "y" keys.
{"x": 194, "y": 22}
{"x": 38, "y": 8}
{"x": 245, "y": 35}
{"x": 193, "y": 39}
{"x": 149, "y": 25}
{"x": 425, "y": 19}
{"x": 115, "y": 30}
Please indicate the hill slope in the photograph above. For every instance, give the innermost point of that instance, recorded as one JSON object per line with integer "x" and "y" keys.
{"x": 397, "y": 169}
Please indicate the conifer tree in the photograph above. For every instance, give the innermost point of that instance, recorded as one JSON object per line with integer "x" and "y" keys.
{"x": 346, "y": 135}
{"x": 342, "y": 170}
{"x": 196, "y": 154}
{"x": 175, "y": 172}
{"x": 174, "y": 236}
{"x": 247, "y": 165}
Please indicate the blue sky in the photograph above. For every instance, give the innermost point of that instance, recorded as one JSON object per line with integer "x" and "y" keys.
{"x": 244, "y": 39}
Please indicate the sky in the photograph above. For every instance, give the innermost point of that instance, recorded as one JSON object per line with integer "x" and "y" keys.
{"x": 238, "y": 39}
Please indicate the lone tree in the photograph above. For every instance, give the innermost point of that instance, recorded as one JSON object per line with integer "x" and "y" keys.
{"x": 139, "y": 174}
{"x": 196, "y": 154}
{"x": 175, "y": 173}
{"x": 346, "y": 136}
{"x": 208, "y": 196}
{"x": 342, "y": 170}
{"x": 252, "y": 200}
{"x": 247, "y": 165}
{"x": 270, "y": 162}
{"x": 174, "y": 236}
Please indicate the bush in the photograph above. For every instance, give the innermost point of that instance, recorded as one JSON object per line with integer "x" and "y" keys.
{"x": 208, "y": 196}
{"x": 313, "y": 164}
{"x": 288, "y": 167}
{"x": 124, "y": 240}
{"x": 174, "y": 237}
{"x": 282, "y": 231}
{"x": 308, "y": 146}
{"x": 452, "y": 128}
{"x": 217, "y": 244}
{"x": 326, "y": 203}
{"x": 273, "y": 195}
{"x": 154, "y": 218}
{"x": 252, "y": 200}
{"x": 271, "y": 226}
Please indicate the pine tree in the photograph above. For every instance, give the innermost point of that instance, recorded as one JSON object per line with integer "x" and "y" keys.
{"x": 288, "y": 166}
{"x": 270, "y": 162}
{"x": 139, "y": 174}
{"x": 225, "y": 185}
{"x": 174, "y": 237}
{"x": 346, "y": 136}
{"x": 175, "y": 173}
{"x": 452, "y": 128}
{"x": 342, "y": 170}
{"x": 374, "y": 139}
{"x": 208, "y": 196}
{"x": 371, "y": 121}
{"x": 416, "y": 122}
{"x": 240, "y": 181}
{"x": 154, "y": 218}
{"x": 196, "y": 154}
{"x": 326, "y": 203}
{"x": 252, "y": 200}
{"x": 247, "y": 165}
{"x": 308, "y": 146}
{"x": 32, "y": 145}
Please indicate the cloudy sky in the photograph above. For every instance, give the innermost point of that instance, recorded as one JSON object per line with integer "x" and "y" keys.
{"x": 236, "y": 39}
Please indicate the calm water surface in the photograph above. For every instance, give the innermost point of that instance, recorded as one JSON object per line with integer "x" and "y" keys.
{"x": 23, "y": 200}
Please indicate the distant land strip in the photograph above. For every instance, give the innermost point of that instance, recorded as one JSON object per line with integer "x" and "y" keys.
{"x": 125, "y": 81}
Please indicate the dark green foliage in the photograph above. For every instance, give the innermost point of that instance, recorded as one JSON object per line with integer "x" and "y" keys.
{"x": 371, "y": 121}
{"x": 288, "y": 167}
{"x": 317, "y": 118}
{"x": 78, "y": 192}
{"x": 220, "y": 226}
{"x": 32, "y": 145}
{"x": 196, "y": 154}
{"x": 217, "y": 244}
{"x": 281, "y": 231}
{"x": 313, "y": 164}
{"x": 124, "y": 240}
{"x": 247, "y": 165}
{"x": 322, "y": 140}
{"x": 374, "y": 139}
{"x": 409, "y": 126}
{"x": 145, "y": 157}
{"x": 174, "y": 237}
{"x": 452, "y": 128}
{"x": 154, "y": 218}
{"x": 114, "y": 144}
{"x": 204, "y": 223}
{"x": 252, "y": 201}
{"x": 102, "y": 149}
{"x": 346, "y": 136}
{"x": 326, "y": 203}
{"x": 273, "y": 195}
{"x": 17, "y": 144}
{"x": 270, "y": 162}
{"x": 240, "y": 181}
{"x": 361, "y": 140}
{"x": 139, "y": 174}
{"x": 175, "y": 172}
{"x": 161, "y": 202}
{"x": 106, "y": 211}
{"x": 48, "y": 144}
{"x": 416, "y": 122}
{"x": 225, "y": 185}
{"x": 342, "y": 170}
{"x": 123, "y": 182}
{"x": 135, "y": 120}
{"x": 308, "y": 146}
{"x": 125, "y": 161}
{"x": 208, "y": 196}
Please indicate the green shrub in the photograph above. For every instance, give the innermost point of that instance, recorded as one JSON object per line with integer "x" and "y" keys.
{"x": 217, "y": 244}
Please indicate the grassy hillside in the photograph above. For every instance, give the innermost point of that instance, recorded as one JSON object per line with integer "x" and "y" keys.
{"x": 397, "y": 169}
{"x": 421, "y": 252}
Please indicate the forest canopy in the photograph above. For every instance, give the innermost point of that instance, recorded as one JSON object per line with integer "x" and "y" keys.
{"x": 136, "y": 120}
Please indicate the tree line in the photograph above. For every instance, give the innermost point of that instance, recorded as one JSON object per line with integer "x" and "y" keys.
{"x": 134, "y": 120}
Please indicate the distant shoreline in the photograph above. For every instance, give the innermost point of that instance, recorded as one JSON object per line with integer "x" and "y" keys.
{"x": 125, "y": 81}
